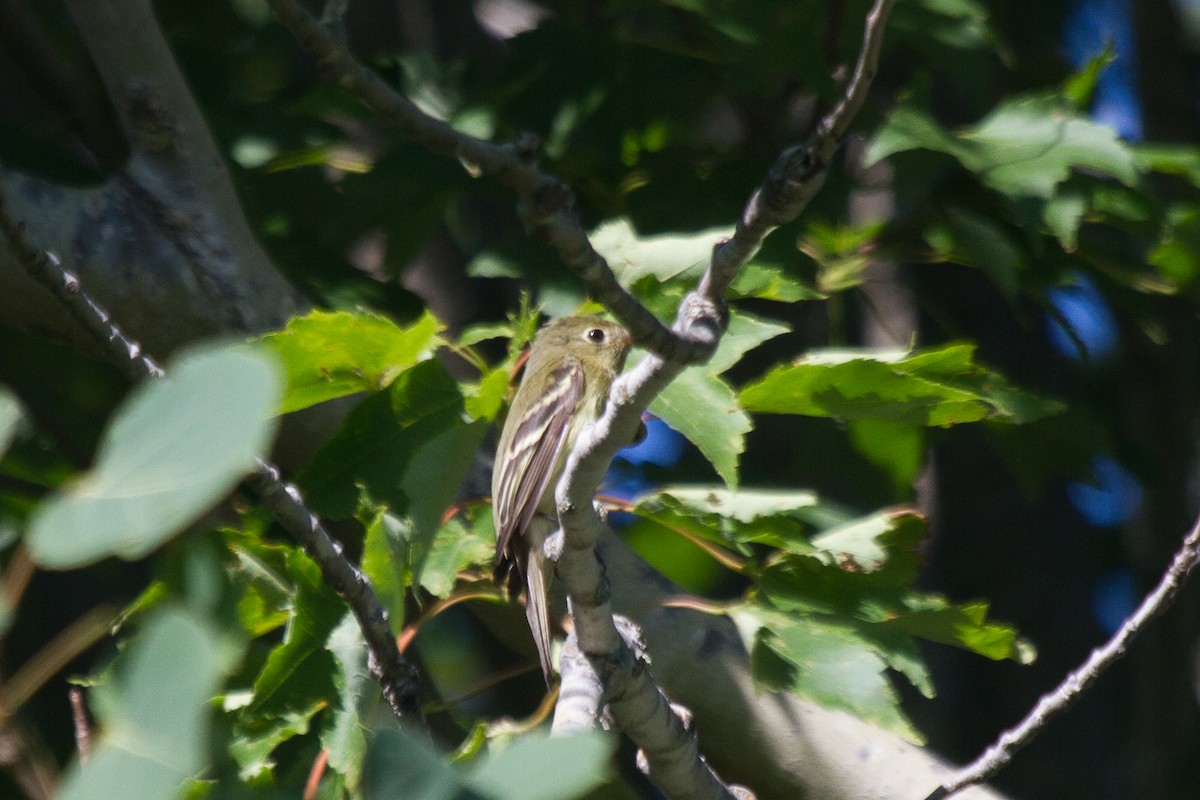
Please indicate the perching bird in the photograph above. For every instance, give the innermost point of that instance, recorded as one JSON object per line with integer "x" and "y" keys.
{"x": 571, "y": 366}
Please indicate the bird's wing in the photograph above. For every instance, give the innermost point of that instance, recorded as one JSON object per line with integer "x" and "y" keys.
{"x": 530, "y": 454}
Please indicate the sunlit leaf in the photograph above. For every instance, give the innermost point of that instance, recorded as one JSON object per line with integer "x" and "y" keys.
{"x": 935, "y": 387}
{"x": 333, "y": 354}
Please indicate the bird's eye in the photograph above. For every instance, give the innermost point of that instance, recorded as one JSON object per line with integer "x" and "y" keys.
{"x": 596, "y": 336}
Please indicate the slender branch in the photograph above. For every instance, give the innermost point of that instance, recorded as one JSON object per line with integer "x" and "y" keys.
{"x": 633, "y": 696}
{"x": 999, "y": 754}
{"x": 396, "y": 678}
{"x": 81, "y": 723}
{"x": 546, "y": 205}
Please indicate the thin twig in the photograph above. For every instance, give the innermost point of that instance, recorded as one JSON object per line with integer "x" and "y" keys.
{"x": 81, "y": 723}
{"x": 999, "y": 754}
{"x": 397, "y": 679}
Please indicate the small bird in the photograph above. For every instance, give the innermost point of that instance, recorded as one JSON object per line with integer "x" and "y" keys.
{"x": 571, "y": 367}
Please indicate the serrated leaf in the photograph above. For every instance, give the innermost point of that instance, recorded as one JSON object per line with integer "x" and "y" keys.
{"x": 332, "y": 354}
{"x": 934, "y": 387}
{"x": 155, "y": 476}
{"x": 379, "y": 439}
{"x": 155, "y": 734}
{"x": 519, "y": 772}
{"x": 826, "y": 663}
{"x": 1024, "y": 148}
{"x": 343, "y": 735}
{"x": 298, "y": 672}
{"x": 432, "y": 483}
{"x": 705, "y": 410}
{"x": 745, "y": 332}
{"x": 466, "y": 540}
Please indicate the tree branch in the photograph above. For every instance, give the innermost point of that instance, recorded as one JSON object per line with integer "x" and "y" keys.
{"x": 546, "y": 205}
{"x": 999, "y": 754}
{"x": 397, "y": 679}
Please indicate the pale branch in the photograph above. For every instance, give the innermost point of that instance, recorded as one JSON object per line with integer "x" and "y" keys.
{"x": 397, "y": 679}
{"x": 999, "y": 754}
{"x": 792, "y": 183}
{"x": 546, "y": 204}
{"x": 580, "y": 692}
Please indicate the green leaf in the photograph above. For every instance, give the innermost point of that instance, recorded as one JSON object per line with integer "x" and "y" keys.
{"x": 896, "y": 447}
{"x": 342, "y": 736}
{"x": 432, "y": 483}
{"x": 663, "y": 255}
{"x": 770, "y": 283}
{"x": 154, "y": 475}
{"x": 745, "y": 505}
{"x": 1182, "y": 160}
{"x": 465, "y": 541}
{"x": 824, "y": 662}
{"x": 379, "y": 439}
{"x": 486, "y": 398}
{"x": 1177, "y": 253}
{"x": 703, "y": 408}
{"x": 156, "y": 720}
{"x": 405, "y": 765}
{"x": 934, "y": 387}
{"x": 1024, "y": 148}
{"x": 580, "y": 765}
{"x": 10, "y": 415}
{"x": 978, "y": 241}
{"x": 298, "y": 671}
{"x": 333, "y": 354}
{"x": 385, "y": 558}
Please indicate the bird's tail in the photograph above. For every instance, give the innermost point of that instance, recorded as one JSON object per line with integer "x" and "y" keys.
{"x": 536, "y": 604}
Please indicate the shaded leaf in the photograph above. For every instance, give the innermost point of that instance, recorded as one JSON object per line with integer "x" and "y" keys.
{"x": 156, "y": 720}
{"x": 154, "y": 476}
{"x": 432, "y": 483}
{"x": 379, "y": 440}
{"x": 1024, "y": 148}
{"x": 467, "y": 540}
{"x": 519, "y": 772}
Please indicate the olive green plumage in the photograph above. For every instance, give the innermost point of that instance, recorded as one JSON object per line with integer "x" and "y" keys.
{"x": 571, "y": 367}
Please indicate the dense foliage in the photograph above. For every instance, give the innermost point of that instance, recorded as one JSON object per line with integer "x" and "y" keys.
{"x": 1045, "y": 271}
